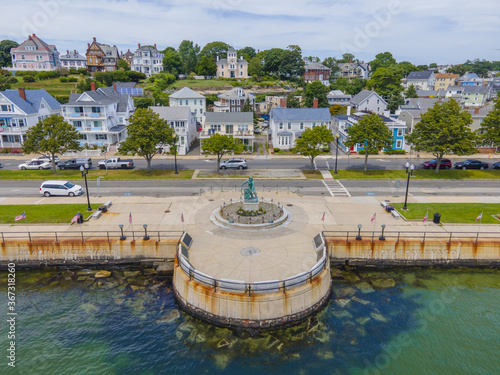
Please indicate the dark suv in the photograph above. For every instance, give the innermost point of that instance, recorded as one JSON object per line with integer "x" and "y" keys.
{"x": 432, "y": 164}
{"x": 472, "y": 164}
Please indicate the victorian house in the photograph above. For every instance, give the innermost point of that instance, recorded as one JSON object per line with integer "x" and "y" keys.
{"x": 232, "y": 67}
{"x": 147, "y": 60}
{"x": 34, "y": 54}
{"x": 101, "y": 57}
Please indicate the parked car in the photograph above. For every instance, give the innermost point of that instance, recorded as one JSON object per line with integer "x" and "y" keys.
{"x": 471, "y": 164}
{"x": 238, "y": 163}
{"x": 60, "y": 187}
{"x": 432, "y": 164}
{"x": 47, "y": 158}
{"x": 75, "y": 163}
{"x": 35, "y": 164}
{"x": 257, "y": 130}
{"x": 114, "y": 163}
{"x": 496, "y": 165}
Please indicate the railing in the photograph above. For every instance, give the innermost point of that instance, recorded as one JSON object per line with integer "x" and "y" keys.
{"x": 402, "y": 235}
{"x": 89, "y": 235}
{"x": 242, "y": 287}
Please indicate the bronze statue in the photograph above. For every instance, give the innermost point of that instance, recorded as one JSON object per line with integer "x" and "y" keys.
{"x": 249, "y": 192}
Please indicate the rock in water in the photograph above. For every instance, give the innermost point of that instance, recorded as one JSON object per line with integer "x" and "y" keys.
{"x": 102, "y": 274}
{"x": 345, "y": 292}
{"x": 383, "y": 283}
{"x": 379, "y": 317}
{"x": 129, "y": 274}
{"x": 170, "y": 317}
{"x": 365, "y": 287}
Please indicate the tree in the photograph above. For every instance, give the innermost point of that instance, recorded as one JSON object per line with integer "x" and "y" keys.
{"x": 292, "y": 64}
{"x": 490, "y": 127}
{"x": 372, "y": 134}
{"x": 248, "y": 53}
{"x": 5, "y": 47}
{"x": 411, "y": 92}
{"x": 206, "y": 66}
{"x": 313, "y": 141}
{"x": 387, "y": 81}
{"x": 444, "y": 129}
{"x": 215, "y": 49}
{"x": 407, "y": 67}
{"x": 135, "y": 76}
{"x": 52, "y": 136}
{"x": 394, "y": 102}
{"x": 292, "y": 101}
{"x": 172, "y": 63}
{"x": 338, "y": 109}
{"x": 347, "y": 58}
{"x": 433, "y": 65}
{"x": 146, "y": 133}
{"x": 382, "y": 60}
{"x": 332, "y": 64}
{"x": 272, "y": 60}
{"x": 123, "y": 64}
{"x": 247, "y": 106}
{"x": 255, "y": 66}
{"x": 188, "y": 52}
{"x": 457, "y": 69}
{"x": 220, "y": 145}
{"x": 316, "y": 90}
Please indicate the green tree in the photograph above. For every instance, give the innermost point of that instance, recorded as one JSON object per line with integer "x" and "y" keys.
{"x": 490, "y": 127}
{"x": 372, "y": 134}
{"x": 433, "y": 65}
{"x": 247, "y": 106}
{"x": 313, "y": 141}
{"x": 338, "y": 109}
{"x": 52, "y": 136}
{"x": 255, "y": 67}
{"x": 163, "y": 80}
{"x": 143, "y": 102}
{"x": 457, "y": 69}
{"x": 422, "y": 67}
{"x": 206, "y": 66}
{"x": 387, "y": 81}
{"x": 172, "y": 63}
{"x": 382, "y": 60}
{"x": 444, "y": 129}
{"x": 220, "y": 145}
{"x": 316, "y": 90}
{"x": 248, "y": 53}
{"x": 106, "y": 78}
{"x": 146, "y": 133}
{"x": 332, "y": 64}
{"x": 188, "y": 52}
{"x": 292, "y": 101}
{"x": 123, "y": 64}
{"x": 411, "y": 92}
{"x": 348, "y": 57}
{"x": 5, "y": 47}
{"x": 407, "y": 67}
{"x": 272, "y": 60}
{"x": 292, "y": 64}
{"x": 215, "y": 49}
{"x": 394, "y": 102}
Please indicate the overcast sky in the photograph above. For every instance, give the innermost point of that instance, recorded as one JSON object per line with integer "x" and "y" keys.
{"x": 422, "y": 31}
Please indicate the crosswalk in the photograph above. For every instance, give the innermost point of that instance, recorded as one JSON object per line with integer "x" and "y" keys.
{"x": 334, "y": 187}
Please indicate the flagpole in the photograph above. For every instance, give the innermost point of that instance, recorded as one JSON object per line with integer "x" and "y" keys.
{"x": 26, "y": 217}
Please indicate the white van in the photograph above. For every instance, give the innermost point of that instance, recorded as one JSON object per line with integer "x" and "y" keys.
{"x": 60, "y": 187}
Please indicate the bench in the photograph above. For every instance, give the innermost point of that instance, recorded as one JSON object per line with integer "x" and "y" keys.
{"x": 383, "y": 204}
{"x": 108, "y": 204}
{"x": 395, "y": 214}
{"x": 97, "y": 215}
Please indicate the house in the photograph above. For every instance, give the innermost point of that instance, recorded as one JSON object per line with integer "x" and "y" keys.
{"x": 101, "y": 116}
{"x": 411, "y": 112}
{"x": 279, "y": 101}
{"x": 352, "y": 70}
{"x": 233, "y": 100}
{"x": 101, "y": 57}
{"x": 73, "y": 60}
{"x": 127, "y": 56}
{"x": 237, "y": 124}
{"x": 427, "y": 93}
{"x": 21, "y": 109}
{"x": 475, "y": 96}
{"x": 188, "y": 97}
{"x": 470, "y": 79}
{"x": 262, "y": 107}
{"x": 34, "y": 54}
{"x": 315, "y": 71}
{"x": 147, "y": 60}
{"x": 424, "y": 80}
{"x": 183, "y": 121}
{"x": 369, "y": 101}
{"x": 411, "y": 117}
{"x": 454, "y": 92}
{"x": 478, "y": 115}
{"x": 443, "y": 81}
{"x": 342, "y": 123}
{"x": 338, "y": 97}
{"x": 287, "y": 124}
{"x": 232, "y": 67}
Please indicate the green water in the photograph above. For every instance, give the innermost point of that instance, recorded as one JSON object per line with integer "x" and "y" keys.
{"x": 390, "y": 322}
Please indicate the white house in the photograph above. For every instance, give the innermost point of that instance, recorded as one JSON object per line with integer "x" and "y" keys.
{"x": 338, "y": 97}
{"x": 369, "y": 101}
{"x": 101, "y": 116}
{"x": 232, "y": 67}
{"x": 73, "y": 60}
{"x": 424, "y": 80}
{"x": 233, "y": 100}
{"x": 183, "y": 121}
{"x": 188, "y": 97}
{"x": 21, "y": 109}
{"x": 239, "y": 125}
{"x": 288, "y": 124}
{"x": 147, "y": 60}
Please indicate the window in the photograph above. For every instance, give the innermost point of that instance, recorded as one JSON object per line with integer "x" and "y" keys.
{"x": 400, "y": 132}
{"x": 195, "y": 101}
{"x": 96, "y": 109}
{"x": 97, "y": 124}
{"x": 83, "y": 136}
{"x": 398, "y": 143}
{"x": 289, "y": 125}
{"x": 301, "y": 126}
{"x": 186, "y": 102}
{"x": 101, "y": 136}
{"x": 6, "y": 108}
{"x": 21, "y": 122}
{"x": 281, "y": 125}
{"x": 77, "y": 124}
{"x": 222, "y": 66}
{"x": 283, "y": 141}
{"x": 378, "y": 101}
{"x": 242, "y": 128}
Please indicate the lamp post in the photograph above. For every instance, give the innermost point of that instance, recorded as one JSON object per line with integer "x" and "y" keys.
{"x": 382, "y": 238}
{"x": 336, "y": 152}
{"x": 122, "y": 237}
{"x": 409, "y": 172}
{"x": 146, "y": 237}
{"x": 358, "y": 237}
{"x": 175, "y": 151}
{"x": 85, "y": 169}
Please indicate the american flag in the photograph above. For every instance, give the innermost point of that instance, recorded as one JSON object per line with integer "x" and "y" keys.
{"x": 373, "y": 217}
{"x": 323, "y": 218}
{"x": 130, "y": 218}
{"x": 480, "y": 217}
{"x": 75, "y": 218}
{"x": 426, "y": 216}
{"x": 20, "y": 217}
{"x": 182, "y": 217}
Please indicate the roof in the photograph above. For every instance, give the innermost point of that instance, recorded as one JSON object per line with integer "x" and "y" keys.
{"x": 447, "y": 75}
{"x": 483, "y": 111}
{"x": 421, "y": 103}
{"x": 362, "y": 95}
{"x": 474, "y": 89}
{"x": 72, "y": 56}
{"x": 455, "y": 88}
{"x": 172, "y": 113}
{"x": 239, "y": 61}
{"x": 124, "y": 85}
{"x": 102, "y": 96}
{"x": 341, "y": 117}
{"x": 423, "y": 93}
{"x": 33, "y": 100}
{"x": 35, "y": 41}
{"x": 226, "y": 117}
{"x": 236, "y": 93}
{"x": 186, "y": 93}
{"x": 301, "y": 114}
{"x": 470, "y": 76}
{"x": 315, "y": 66}
{"x": 117, "y": 129}
{"x": 426, "y": 74}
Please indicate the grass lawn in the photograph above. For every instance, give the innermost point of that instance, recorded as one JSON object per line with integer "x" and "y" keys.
{"x": 114, "y": 174}
{"x": 312, "y": 175}
{"x": 44, "y": 213}
{"x": 452, "y": 174}
{"x": 52, "y": 86}
{"x": 458, "y": 213}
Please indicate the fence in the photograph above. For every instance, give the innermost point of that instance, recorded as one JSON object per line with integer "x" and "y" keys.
{"x": 262, "y": 188}
{"x": 422, "y": 236}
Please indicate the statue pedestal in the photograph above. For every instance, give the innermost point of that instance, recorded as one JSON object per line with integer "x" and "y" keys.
{"x": 250, "y": 206}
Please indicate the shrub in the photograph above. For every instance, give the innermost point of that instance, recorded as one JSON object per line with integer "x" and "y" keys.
{"x": 63, "y": 99}
{"x": 277, "y": 150}
{"x": 73, "y": 71}
{"x": 5, "y": 151}
{"x": 83, "y": 71}
{"x": 72, "y": 79}
{"x": 395, "y": 152}
{"x": 327, "y": 150}
{"x": 13, "y": 80}
{"x": 63, "y": 79}
{"x": 29, "y": 78}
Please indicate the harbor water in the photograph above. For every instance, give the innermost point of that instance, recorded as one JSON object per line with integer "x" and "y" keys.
{"x": 398, "y": 321}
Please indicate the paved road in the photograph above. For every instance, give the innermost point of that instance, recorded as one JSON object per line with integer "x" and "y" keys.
{"x": 165, "y": 188}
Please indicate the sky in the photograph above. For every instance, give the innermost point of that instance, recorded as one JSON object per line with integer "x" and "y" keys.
{"x": 422, "y": 31}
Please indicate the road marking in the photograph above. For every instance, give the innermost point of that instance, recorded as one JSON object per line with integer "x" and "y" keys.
{"x": 335, "y": 188}
{"x": 41, "y": 200}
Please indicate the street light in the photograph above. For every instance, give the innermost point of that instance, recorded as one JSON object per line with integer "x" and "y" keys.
{"x": 336, "y": 152}
{"x": 85, "y": 169}
{"x": 409, "y": 172}
{"x": 122, "y": 237}
{"x": 175, "y": 151}
{"x": 382, "y": 238}
{"x": 146, "y": 237}
{"x": 358, "y": 237}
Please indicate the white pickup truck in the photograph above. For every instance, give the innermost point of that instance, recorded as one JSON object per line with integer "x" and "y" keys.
{"x": 115, "y": 163}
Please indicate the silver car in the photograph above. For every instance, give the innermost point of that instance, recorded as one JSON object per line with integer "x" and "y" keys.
{"x": 35, "y": 164}
{"x": 238, "y": 163}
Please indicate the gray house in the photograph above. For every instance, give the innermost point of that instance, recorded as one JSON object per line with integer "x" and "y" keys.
{"x": 424, "y": 80}
{"x": 369, "y": 101}
{"x": 183, "y": 121}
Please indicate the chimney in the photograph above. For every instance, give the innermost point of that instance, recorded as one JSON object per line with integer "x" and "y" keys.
{"x": 315, "y": 103}
{"x": 155, "y": 45}
{"x": 476, "y": 111}
{"x": 22, "y": 93}
{"x": 241, "y": 57}
{"x": 88, "y": 45}
{"x": 92, "y": 86}
{"x": 34, "y": 34}
{"x": 75, "y": 51}
{"x": 139, "y": 44}
{"x": 283, "y": 103}
{"x": 350, "y": 60}
{"x": 67, "y": 52}
{"x": 217, "y": 57}
{"x": 440, "y": 100}
{"x": 114, "y": 86}
{"x": 29, "y": 37}
{"x": 94, "y": 39}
